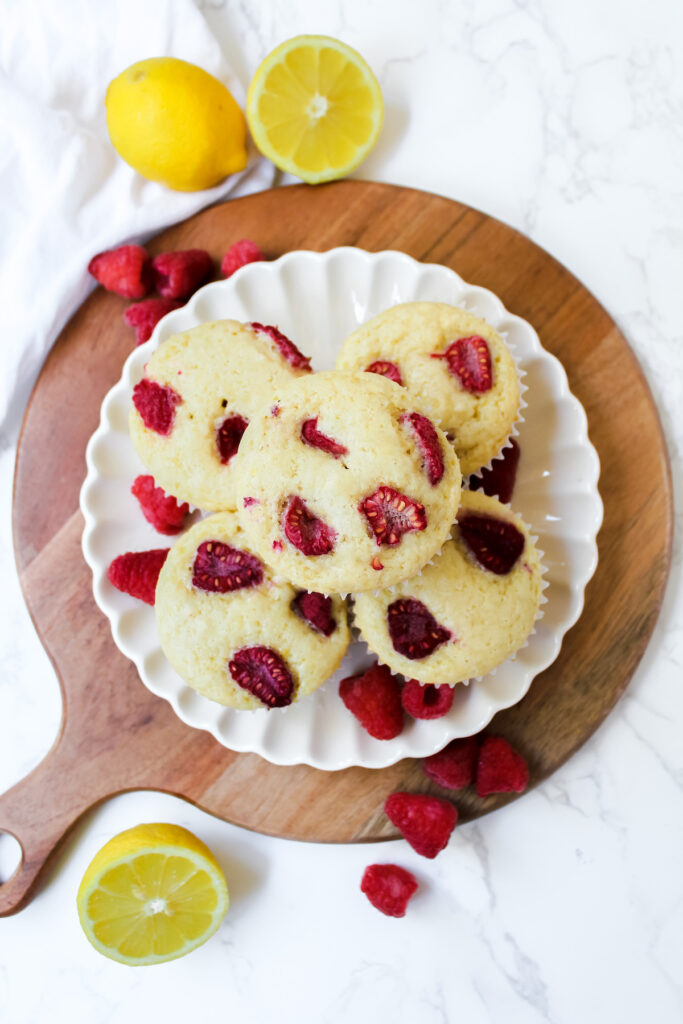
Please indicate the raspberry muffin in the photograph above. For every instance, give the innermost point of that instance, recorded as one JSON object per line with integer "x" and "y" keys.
{"x": 455, "y": 365}
{"x": 470, "y": 610}
{"x": 198, "y": 394}
{"x": 344, "y": 485}
{"x": 236, "y": 635}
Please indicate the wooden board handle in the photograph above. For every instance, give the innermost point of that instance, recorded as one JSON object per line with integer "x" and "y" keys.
{"x": 38, "y": 812}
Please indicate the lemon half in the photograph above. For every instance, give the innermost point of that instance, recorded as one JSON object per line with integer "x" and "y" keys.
{"x": 151, "y": 894}
{"x": 315, "y": 108}
{"x": 175, "y": 123}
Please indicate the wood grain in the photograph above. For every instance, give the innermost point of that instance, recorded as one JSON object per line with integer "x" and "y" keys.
{"x": 116, "y": 736}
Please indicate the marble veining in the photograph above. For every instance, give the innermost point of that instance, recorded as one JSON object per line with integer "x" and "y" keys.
{"x": 565, "y": 120}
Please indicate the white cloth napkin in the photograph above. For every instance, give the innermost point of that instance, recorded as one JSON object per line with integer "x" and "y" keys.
{"x": 65, "y": 194}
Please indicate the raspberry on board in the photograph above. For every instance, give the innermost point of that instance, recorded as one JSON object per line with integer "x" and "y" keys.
{"x": 178, "y": 274}
{"x": 426, "y": 822}
{"x": 375, "y": 699}
{"x": 238, "y": 255}
{"x": 500, "y": 768}
{"x": 125, "y": 271}
{"x": 454, "y": 766}
{"x": 389, "y": 888}
{"x": 145, "y": 315}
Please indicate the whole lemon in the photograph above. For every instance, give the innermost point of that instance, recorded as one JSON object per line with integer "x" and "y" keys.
{"x": 175, "y": 123}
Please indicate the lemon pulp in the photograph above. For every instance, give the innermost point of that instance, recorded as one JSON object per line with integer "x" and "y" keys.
{"x": 151, "y": 894}
{"x": 315, "y": 108}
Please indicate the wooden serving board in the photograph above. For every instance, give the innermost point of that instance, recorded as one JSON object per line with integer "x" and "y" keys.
{"x": 116, "y": 736}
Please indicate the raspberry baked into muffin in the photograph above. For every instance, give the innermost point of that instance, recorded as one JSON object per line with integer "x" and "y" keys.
{"x": 195, "y": 401}
{"x": 236, "y": 635}
{"x": 344, "y": 485}
{"x": 470, "y": 610}
{"x": 456, "y": 366}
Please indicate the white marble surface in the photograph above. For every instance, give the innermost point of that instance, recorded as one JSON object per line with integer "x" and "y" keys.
{"x": 566, "y": 120}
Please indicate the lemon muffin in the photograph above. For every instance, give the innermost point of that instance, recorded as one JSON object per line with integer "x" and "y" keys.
{"x": 457, "y": 367}
{"x": 344, "y": 485}
{"x": 195, "y": 401}
{"x": 232, "y": 632}
{"x": 470, "y": 610}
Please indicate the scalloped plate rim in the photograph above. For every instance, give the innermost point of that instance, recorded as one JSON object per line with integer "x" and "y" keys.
{"x": 393, "y": 750}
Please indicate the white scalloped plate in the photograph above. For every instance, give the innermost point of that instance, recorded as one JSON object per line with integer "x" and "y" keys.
{"x": 317, "y": 299}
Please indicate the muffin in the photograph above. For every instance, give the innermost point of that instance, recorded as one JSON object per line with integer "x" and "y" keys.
{"x": 456, "y": 366}
{"x": 195, "y": 401}
{"x": 344, "y": 485}
{"x": 234, "y": 633}
{"x": 470, "y": 610}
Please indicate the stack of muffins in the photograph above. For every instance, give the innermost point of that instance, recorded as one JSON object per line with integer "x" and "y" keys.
{"x": 331, "y": 489}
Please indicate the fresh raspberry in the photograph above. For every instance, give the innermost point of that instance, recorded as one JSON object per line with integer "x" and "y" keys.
{"x": 160, "y": 509}
{"x": 375, "y": 699}
{"x": 469, "y": 359}
{"x": 136, "y": 573}
{"x": 316, "y": 610}
{"x": 126, "y": 271}
{"x": 498, "y": 481}
{"x": 286, "y": 348}
{"x": 390, "y": 514}
{"x": 500, "y": 769}
{"x": 247, "y": 502}
{"x": 220, "y": 568}
{"x": 385, "y": 369}
{"x": 426, "y": 822}
{"x": 428, "y": 443}
{"x": 238, "y": 255}
{"x": 453, "y": 767}
{"x": 156, "y": 404}
{"x": 414, "y": 631}
{"x": 426, "y": 700}
{"x": 495, "y": 543}
{"x": 229, "y": 435}
{"x": 262, "y": 672}
{"x": 178, "y": 274}
{"x": 389, "y": 888}
{"x": 310, "y": 435}
{"x": 307, "y": 533}
{"x": 145, "y": 315}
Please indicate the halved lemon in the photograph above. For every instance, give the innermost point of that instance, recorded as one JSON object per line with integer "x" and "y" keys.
{"x": 315, "y": 108}
{"x": 151, "y": 894}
